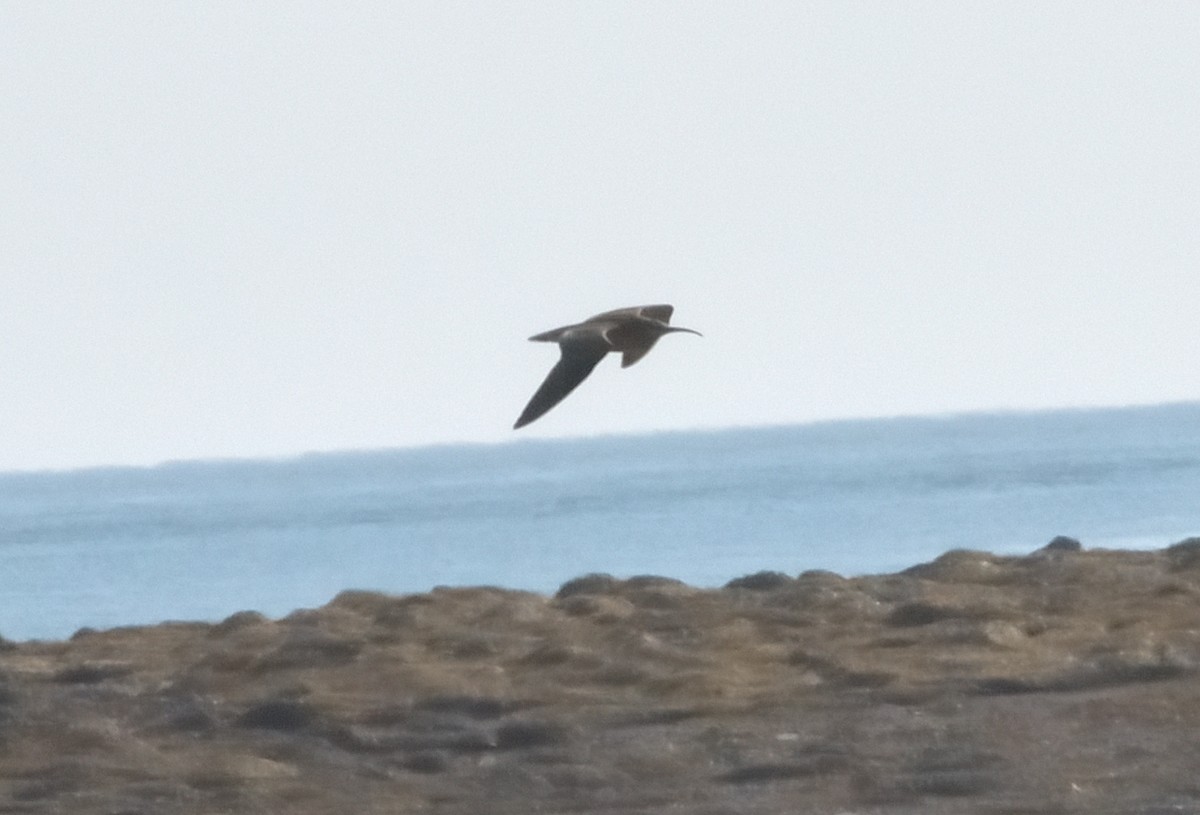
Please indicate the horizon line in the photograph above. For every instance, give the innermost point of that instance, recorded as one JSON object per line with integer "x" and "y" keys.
{"x": 294, "y": 456}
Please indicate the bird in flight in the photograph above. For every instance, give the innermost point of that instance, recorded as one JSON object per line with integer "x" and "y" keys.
{"x": 630, "y": 332}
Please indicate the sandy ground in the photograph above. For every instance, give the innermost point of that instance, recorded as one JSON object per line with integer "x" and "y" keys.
{"x": 1061, "y": 682}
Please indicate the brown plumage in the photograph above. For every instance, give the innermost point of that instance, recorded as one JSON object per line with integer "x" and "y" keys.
{"x": 630, "y": 332}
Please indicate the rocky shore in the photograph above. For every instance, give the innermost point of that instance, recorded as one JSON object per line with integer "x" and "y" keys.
{"x": 1065, "y": 681}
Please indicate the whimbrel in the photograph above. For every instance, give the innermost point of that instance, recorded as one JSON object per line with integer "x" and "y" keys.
{"x": 630, "y": 332}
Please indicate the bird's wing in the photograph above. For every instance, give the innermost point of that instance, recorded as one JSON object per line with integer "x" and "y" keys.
{"x": 579, "y": 357}
{"x": 633, "y": 355}
{"x": 661, "y": 313}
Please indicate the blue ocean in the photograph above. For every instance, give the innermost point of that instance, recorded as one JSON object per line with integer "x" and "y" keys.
{"x": 201, "y": 540}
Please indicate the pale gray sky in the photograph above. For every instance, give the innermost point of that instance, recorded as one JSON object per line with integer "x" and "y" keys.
{"x": 240, "y": 228}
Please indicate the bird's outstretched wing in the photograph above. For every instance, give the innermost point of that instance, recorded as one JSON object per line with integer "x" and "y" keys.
{"x": 579, "y": 357}
{"x": 662, "y": 313}
{"x": 634, "y": 354}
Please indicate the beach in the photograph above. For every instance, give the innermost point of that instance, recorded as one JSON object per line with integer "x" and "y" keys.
{"x": 1060, "y": 681}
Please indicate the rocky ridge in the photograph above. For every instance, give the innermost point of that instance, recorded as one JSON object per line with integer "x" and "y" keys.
{"x": 1064, "y": 681}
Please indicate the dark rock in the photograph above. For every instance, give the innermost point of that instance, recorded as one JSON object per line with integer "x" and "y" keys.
{"x": 92, "y": 673}
{"x": 953, "y": 771}
{"x": 1185, "y": 555}
{"x": 1006, "y": 686}
{"x": 426, "y": 762}
{"x": 307, "y": 649}
{"x": 367, "y": 603}
{"x": 617, "y": 674}
{"x": 1092, "y": 677}
{"x": 963, "y": 566}
{"x": 911, "y": 615}
{"x": 284, "y": 715}
{"x": 585, "y": 605}
{"x": 814, "y": 761}
{"x": 662, "y": 597}
{"x": 760, "y": 581}
{"x": 8, "y": 693}
{"x": 189, "y": 715}
{"x": 518, "y": 735}
{"x": 1118, "y": 672}
{"x": 1062, "y": 543}
{"x": 56, "y": 780}
{"x": 195, "y": 720}
{"x": 953, "y": 783}
{"x": 834, "y": 673}
{"x": 236, "y": 622}
{"x": 588, "y": 584}
{"x": 469, "y": 646}
{"x": 759, "y": 773}
{"x": 41, "y": 790}
{"x": 474, "y": 707}
{"x": 822, "y": 576}
{"x": 446, "y": 738}
{"x": 654, "y": 581}
{"x": 547, "y": 656}
{"x": 664, "y": 716}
